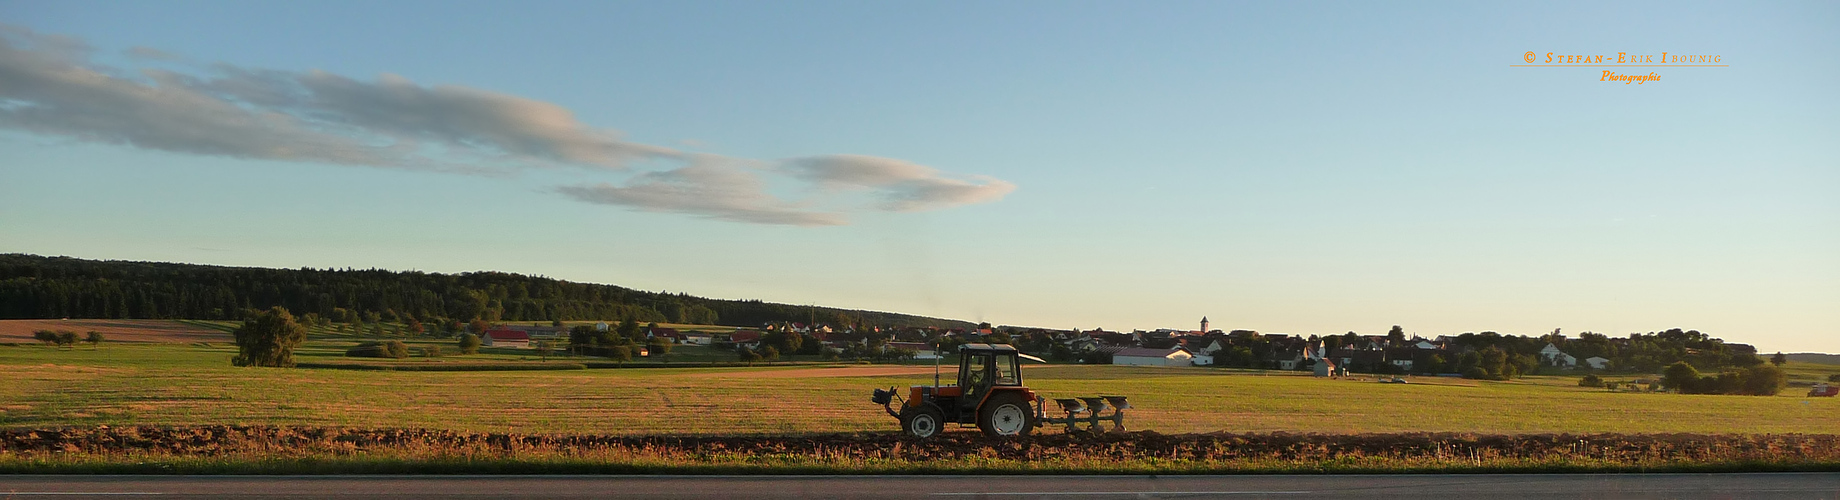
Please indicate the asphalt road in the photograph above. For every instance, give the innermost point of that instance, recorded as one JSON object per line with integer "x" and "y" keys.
{"x": 1490, "y": 487}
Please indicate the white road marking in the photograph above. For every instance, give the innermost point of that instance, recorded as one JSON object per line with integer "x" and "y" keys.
{"x": 1118, "y": 493}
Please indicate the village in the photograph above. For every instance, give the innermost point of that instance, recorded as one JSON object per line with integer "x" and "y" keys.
{"x": 1394, "y": 353}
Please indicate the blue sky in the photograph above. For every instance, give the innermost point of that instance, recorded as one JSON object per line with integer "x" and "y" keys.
{"x": 1286, "y": 167}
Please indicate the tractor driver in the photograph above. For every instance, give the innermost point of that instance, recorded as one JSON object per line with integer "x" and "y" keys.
{"x": 977, "y": 376}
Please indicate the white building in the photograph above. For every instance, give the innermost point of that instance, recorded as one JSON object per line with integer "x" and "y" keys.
{"x": 1139, "y": 356}
{"x": 1552, "y": 356}
{"x": 1597, "y": 363}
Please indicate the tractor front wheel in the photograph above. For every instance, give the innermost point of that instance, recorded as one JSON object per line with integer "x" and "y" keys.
{"x": 923, "y": 421}
{"x": 1006, "y": 415}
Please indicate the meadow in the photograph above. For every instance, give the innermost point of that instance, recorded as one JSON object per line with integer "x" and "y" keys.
{"x": 194, "y": 384}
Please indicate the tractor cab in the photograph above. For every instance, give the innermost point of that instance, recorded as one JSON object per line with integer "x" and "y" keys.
{"x": 984, "y": 367}
{"x": 988, "y": 393}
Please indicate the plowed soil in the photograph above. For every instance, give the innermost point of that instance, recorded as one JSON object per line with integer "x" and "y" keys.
{"x": 114, "y": 330}
{"x": 1605, "y": 448}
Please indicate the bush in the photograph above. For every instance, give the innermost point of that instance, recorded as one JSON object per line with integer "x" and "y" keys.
{"x": 621, "y": 353}
{"x": 1834, "y": 378}
{"x": 1681, "y": 377}
{"x": 1763, "y": 380}
{"x": 47, "y": 336}
{"x": 387, "y": 349}
{"x": 1590, "y": 381}
{"x": 469, "y": 344}
{"x": 432, "y": 351}
{"x": 268, "y": 339}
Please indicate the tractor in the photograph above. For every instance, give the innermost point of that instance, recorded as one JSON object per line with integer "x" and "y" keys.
{"x": 989, "y": 394}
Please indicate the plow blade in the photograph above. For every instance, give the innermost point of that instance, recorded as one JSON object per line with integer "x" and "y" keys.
{"x": 1088, "y": 411}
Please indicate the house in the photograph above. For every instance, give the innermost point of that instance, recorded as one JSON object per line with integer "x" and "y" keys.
{"x": 1139, "y": 356}
{"x": 1318, "y": 352}
{"x": 921, "y": 350}
{"x": 1325, "y": 367}
{"x": 745, "y": 338}
{"x": 1552, "y": 356}
{"x": 696, "y": 338}
{"x": 1285, "y": 359}
{"x": 505, "y": 337}
{"x": 1597, "y": 362}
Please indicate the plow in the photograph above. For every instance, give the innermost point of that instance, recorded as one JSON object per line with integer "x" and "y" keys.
{"x": 989, "y": 394}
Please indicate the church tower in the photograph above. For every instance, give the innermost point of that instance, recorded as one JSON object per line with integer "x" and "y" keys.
{"x": 1204, "y": 329}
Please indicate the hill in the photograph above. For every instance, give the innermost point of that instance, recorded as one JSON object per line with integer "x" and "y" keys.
{"x": 1814, "y": 357}
{"x": 39, "y": 287}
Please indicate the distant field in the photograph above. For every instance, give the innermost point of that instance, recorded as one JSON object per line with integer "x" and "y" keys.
{"x": 193, "y": 384}
{"x": 1814, "y": 357}
{"x": 117, "y": 330}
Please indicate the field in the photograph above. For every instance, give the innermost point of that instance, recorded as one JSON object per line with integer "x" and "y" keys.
{"x": 118, "y": 330}
{"x": 193, "y": 384}
{"x": 170, "y": 407}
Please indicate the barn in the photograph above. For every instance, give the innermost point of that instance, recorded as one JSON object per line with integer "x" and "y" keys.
{"x": 1140, "y": 356}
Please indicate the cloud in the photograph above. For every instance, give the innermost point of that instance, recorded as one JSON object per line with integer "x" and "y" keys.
{"x": 903, "y": 186}
{"x": 709, "y": 189}
{"x": 50, "y": 85}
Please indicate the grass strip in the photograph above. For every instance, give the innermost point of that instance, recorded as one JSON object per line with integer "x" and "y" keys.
{"x": 306, "y": 450}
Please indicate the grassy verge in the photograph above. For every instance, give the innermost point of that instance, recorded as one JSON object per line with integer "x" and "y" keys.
{"x": 276, "y": 450}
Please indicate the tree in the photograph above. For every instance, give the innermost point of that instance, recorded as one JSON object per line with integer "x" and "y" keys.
{"x": 1591, "y": 380}
{"x": 66, "y": 338}
{"x": 997, "y": 338}
{"x": 1764, "y": 381}
{"x": 746, "y": 355}
{"x": 469, "y": 343}
{"x": 1779, "y": 359}
{"x": 629, "y": 329}
{"x": 1680, "y": 376}
{"x": 386, "y": 349}
{"x": 1397, "y": 335}
{"x": 787, "y": 342}
{"x": 810, "y": 345}
{"x": 94, "y": 338}
{"x": 619, "y": 353}
{"x": 581, "y": 338}
{"x": 478, "y": 327}
{"x": 543, "y": 349}
{"x": 268, "y": 339}
{"x": 769, "y": 353}
{"x": 661, "y": 349}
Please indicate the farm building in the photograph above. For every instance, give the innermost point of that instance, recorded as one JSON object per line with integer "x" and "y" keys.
{"x": 1139, "y": 356}
{"x": 921, "y": 350}
{"x": 505, "y": 338}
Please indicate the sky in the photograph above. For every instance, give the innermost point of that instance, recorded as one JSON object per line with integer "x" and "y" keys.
{"x": 1293, "y": 167}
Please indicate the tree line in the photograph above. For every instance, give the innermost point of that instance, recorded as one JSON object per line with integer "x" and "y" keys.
{"x": 38, "y": 287}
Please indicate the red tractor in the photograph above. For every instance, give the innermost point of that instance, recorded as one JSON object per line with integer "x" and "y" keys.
{"x": 989, "y": 394}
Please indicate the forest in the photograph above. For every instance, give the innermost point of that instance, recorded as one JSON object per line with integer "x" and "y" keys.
{"x": 39, "y": 287}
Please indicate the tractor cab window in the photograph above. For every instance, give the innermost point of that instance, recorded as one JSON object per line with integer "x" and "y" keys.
{"x": 1006, "y": 371}
{"x": 974, "y": 372}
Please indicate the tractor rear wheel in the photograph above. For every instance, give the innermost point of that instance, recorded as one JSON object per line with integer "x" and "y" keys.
{"x": 1006, "y": 414}
{"x": 923, "y": 421}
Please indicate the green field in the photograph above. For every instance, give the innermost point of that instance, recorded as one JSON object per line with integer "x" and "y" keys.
{"x": 179, "y": 385}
